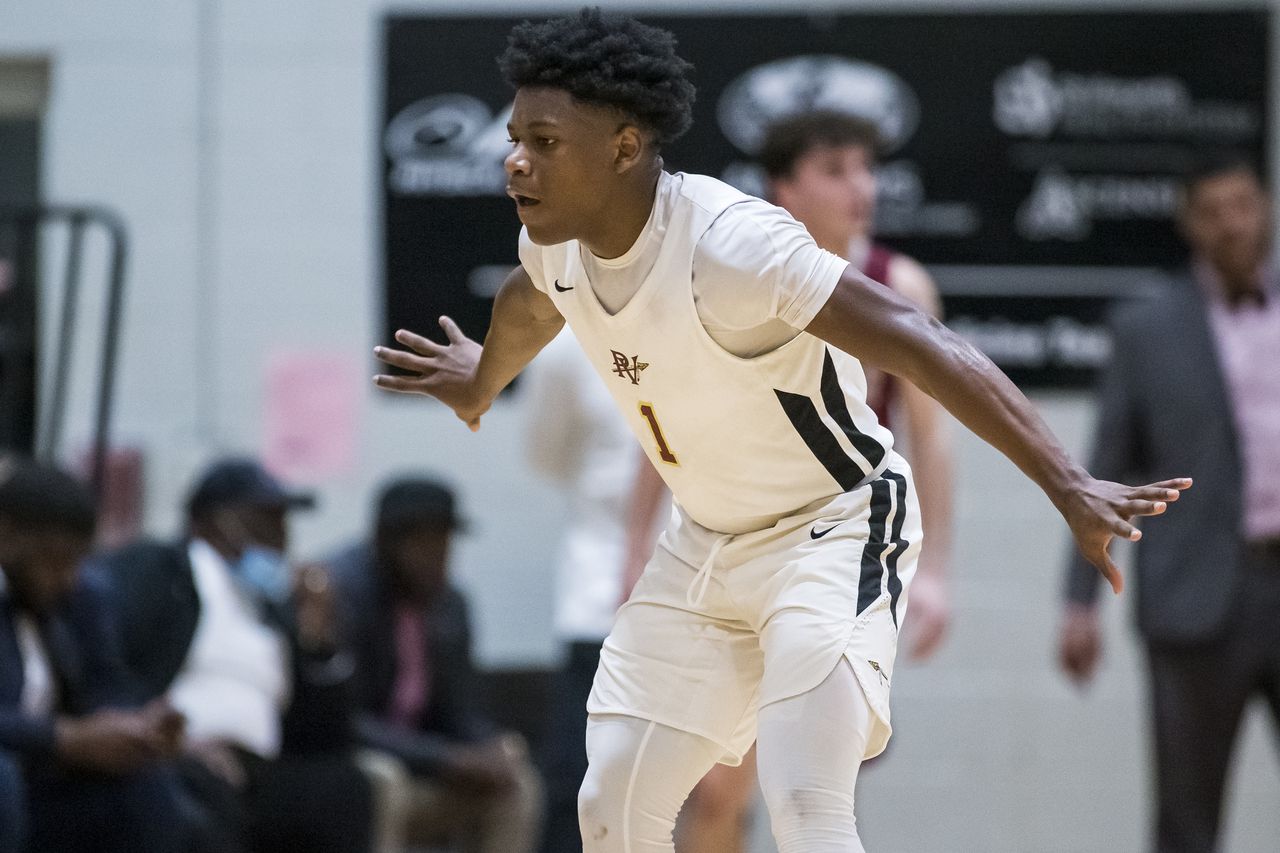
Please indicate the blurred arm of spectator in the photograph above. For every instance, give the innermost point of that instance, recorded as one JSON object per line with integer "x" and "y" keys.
{"x": 554, "y": 423}
{"x": 930, "y": 450}
{"x": 1117, "y": 456}
{"x": 649, "y": 498}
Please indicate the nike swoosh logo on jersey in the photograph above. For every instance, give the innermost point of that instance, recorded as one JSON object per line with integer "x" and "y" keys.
{"x": 562, "y": 289}
{"x": 815, "y": 534}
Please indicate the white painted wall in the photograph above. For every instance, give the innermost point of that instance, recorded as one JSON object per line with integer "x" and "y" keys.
{"x": 237, "y": 140}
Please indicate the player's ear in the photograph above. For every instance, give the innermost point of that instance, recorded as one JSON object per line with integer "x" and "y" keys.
{"x": 630, "y": 147}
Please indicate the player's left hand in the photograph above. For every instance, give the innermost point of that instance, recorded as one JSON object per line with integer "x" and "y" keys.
{"x": 444, "y": 371}
{"x": 1100, "y": 510}
{"x": 930, "y": 609}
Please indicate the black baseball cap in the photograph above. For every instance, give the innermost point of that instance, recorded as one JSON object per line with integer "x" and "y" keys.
{"x": 412, "y": 501}
{"x": 242, "y": 481}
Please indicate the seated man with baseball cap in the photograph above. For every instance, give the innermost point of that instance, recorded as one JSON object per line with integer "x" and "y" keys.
{"x": 248, "y": 649}
{"x": 446, "y": 773}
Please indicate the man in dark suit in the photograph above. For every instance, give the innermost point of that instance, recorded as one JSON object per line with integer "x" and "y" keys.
{"x": 81, "y": 767}
{"x": 248, "y": 649}
{"x": 1194, "y": 388}
{"x": 467, "y": 782}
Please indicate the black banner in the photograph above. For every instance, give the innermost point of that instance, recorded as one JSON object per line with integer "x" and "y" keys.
{"x": 1043, "y": 142}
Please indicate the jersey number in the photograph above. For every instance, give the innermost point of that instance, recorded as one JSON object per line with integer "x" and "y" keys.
{"x": 664, "y": 452}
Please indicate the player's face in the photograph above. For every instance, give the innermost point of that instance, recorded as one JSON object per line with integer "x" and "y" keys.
{"x": 832, "y": 191}
{"x": 1226, "y": 219}
{"x": 562, "y": 165}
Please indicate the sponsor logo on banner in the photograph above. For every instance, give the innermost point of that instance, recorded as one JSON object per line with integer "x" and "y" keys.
{"x": 1063, "y": 207}
{"x": 447, "y": 145}
{"x": 1034, "y": 100}
{"x": 770, "y": 92}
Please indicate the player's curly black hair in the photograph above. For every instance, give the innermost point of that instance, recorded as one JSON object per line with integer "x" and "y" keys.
{"x": 607, "y": 60}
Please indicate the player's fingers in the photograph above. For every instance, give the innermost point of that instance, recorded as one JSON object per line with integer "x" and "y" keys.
{"x": 451, "y": 330}
{"x": 419, "y": 344}
{"x": 1124, "y": 530}
{"x": 1154, "y": 493}
{"x": 399, "y": 384}
{"x": 1131, "y": 508}
{"x": 402, "y": 359}
{"x": 474, "y": 424}
{"x": 1109, "y": 570}
{"x": 1177, "y": 484}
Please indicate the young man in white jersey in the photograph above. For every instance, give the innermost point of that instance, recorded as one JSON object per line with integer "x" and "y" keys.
{"x": 732, "y": 343}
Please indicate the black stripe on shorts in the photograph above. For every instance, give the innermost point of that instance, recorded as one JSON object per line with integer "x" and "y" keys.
{"x": 872, "y": 569}
{"x": 895, "y": 538}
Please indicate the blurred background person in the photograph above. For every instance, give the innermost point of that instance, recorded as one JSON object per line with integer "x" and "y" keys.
{"x": 576, "y": 438}
{"x": 82, "y": 768}
{"x": 1208, "y": 600}
{"x": 446, "y": 773}
{"x": 251, "y": 654}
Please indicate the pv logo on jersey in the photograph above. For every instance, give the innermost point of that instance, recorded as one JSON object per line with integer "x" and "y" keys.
{"x": 625, "y": 368}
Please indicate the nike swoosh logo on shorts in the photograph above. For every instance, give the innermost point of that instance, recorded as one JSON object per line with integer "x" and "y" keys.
{"x": 814, "y": 534}
{"x": 561, "y": 289}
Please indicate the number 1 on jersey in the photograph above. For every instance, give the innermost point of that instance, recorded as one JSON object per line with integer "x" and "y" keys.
{"x": 664, "y": 452}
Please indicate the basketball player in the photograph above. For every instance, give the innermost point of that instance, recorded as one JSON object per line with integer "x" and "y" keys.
{"x": 733, "y": 344}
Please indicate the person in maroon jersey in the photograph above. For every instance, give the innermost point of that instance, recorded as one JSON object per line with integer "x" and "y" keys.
{"x": 820, "y": 166}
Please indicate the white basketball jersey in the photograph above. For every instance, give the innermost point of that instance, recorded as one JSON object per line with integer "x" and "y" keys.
{"x": 741, "y": 442}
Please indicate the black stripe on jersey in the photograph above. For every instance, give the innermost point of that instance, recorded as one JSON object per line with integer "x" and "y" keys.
{"x": 872, "y": 569}
{"x": 820, "y": 440}
{"x": 899, "y": 544}
{"x": 838, "y": 408}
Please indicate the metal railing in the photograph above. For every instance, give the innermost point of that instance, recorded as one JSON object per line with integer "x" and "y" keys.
{"x": 26, "y": 224}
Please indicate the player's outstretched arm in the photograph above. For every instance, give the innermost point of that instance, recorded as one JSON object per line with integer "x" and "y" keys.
{"x": 463, "y": 375}
{"x": 883, "y": 329}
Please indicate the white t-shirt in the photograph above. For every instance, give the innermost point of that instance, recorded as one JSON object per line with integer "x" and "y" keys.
{"x": 234, "y": 685}
{"x": 758, "y": 277}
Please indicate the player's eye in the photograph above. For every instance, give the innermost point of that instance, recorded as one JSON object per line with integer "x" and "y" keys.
{"x": 546, "y": 141}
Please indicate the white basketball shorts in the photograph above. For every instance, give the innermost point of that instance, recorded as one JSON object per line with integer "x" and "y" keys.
{"x": 719, "y": 625}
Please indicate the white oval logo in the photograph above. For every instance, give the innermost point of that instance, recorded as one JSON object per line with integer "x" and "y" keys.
{"x": 438, "y": 126}
{"x": 770, "y": 92}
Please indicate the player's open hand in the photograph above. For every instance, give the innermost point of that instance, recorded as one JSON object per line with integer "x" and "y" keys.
{"x": 444, "y": 371}
{"x": 1100, "y": 510}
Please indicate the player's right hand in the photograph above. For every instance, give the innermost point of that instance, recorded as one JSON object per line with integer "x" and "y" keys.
{"x": 444, "y": 371}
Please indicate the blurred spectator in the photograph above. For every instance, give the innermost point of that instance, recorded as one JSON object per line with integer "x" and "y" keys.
{"x": 80, "y": 770}
{"x": 1193, "y": 387}
{"x": 249, "y": 652}
{"x": 447, "y": 774}
{"x": 577, "y": 438}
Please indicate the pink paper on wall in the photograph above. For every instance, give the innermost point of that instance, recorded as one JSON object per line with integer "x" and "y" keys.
{"x": 311, "y": 413}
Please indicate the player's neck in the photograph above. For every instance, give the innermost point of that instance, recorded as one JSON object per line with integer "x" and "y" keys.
{"x": 629, "y": 213}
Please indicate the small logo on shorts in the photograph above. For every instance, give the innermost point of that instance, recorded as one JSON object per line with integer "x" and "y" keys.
{"x": 814, "y": 533}
{"x": 560, "y": 289}
{"x": 876, "y": 666}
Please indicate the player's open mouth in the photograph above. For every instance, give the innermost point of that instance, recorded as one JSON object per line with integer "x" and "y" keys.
{"x": 523, "y": 200}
